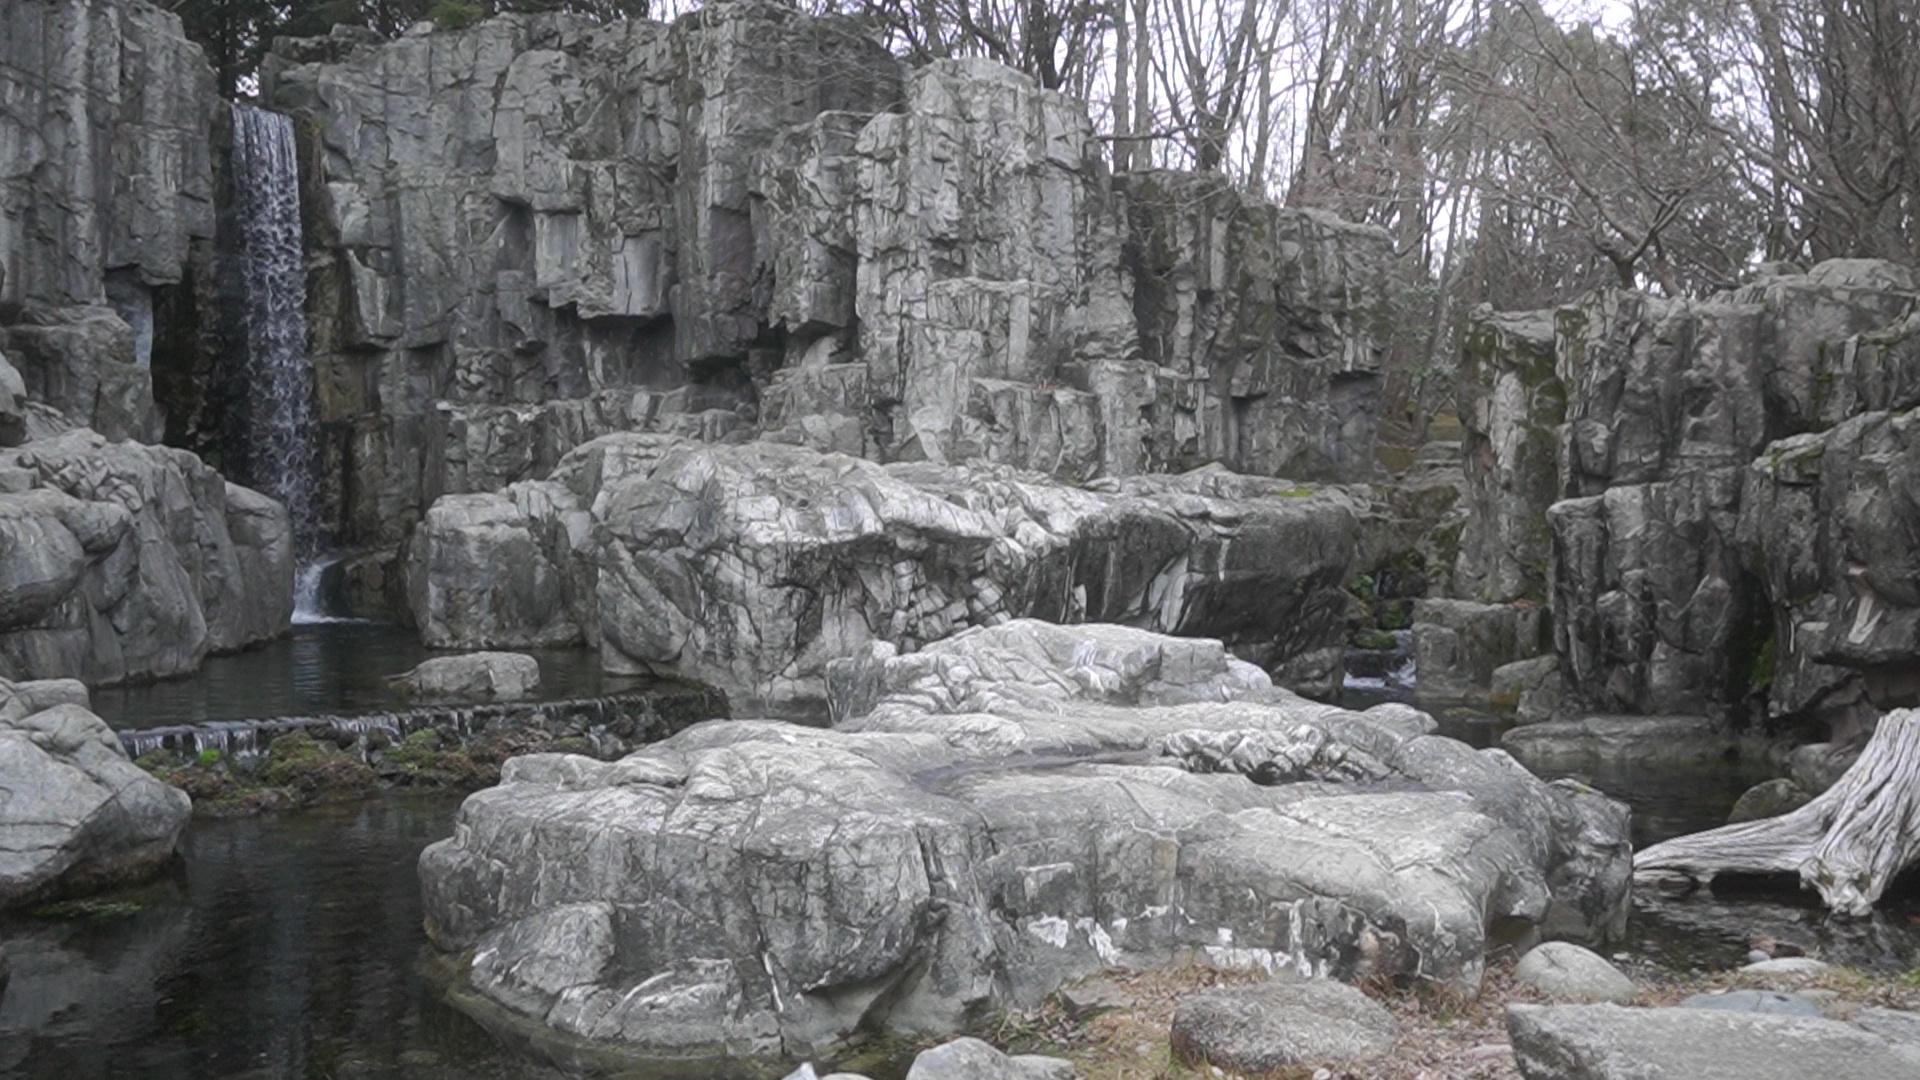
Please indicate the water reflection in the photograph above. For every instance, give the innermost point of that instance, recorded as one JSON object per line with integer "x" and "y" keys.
{"x": 283, "y": 947}
{"x": 318, "y": 669}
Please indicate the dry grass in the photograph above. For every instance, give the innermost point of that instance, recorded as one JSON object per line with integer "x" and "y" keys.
{"x": 1446, "y": 1036}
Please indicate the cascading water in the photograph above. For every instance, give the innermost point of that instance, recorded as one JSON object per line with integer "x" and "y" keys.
{"x": 281, "y": 451}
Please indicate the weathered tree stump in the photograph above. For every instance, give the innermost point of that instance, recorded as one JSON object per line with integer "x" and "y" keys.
{"x": 1848, "y": 843}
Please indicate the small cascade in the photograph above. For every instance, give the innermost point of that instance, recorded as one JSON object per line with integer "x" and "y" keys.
{"x": 280, "y": 441}
{"x": 645, "y": 715}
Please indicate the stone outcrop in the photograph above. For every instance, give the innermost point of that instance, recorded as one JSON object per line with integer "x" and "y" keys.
{"x": 754, "y": 221}
{"x": 1512, "y": 404}
{"x": 106, "y": 200}
{"x": 996, "y": 815}
{"x": 750, "y": 567}
{"x": 78, "y": 815}
{"x": 1828, "y": 521}
{"x": 125, "y": 561}
{"x": 1683, "y": 570}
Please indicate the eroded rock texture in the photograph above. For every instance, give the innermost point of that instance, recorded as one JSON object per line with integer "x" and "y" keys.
{"x": 751, "y": 566}
{"x": 77, "y": 814}
{"x": 1692, "y": 567}
{"x": 539, "y": 230}
{"x": 995, "y": 815}
{"x": 126, "y": 561}
{"x": 106, "y": 200}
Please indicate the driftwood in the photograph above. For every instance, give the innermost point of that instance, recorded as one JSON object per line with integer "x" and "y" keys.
{"x": 1848, "y": 844}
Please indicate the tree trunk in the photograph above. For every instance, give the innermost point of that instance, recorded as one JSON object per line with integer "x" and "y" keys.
{"x": 1848, "y": 844}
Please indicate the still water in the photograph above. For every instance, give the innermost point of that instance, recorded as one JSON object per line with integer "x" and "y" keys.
{"x": 290, "y": 947}
{"x": 323, "y": 669}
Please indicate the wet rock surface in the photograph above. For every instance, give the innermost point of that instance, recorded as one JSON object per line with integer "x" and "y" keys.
{"x": 991, "y": 818}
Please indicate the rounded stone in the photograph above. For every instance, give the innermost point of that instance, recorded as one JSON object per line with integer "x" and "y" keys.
{"x": 1769, "y": 798}
{"x": 1805, "y": 966}
{"x": 1265, "y": 1026}
{"x": 1566, "y": 972}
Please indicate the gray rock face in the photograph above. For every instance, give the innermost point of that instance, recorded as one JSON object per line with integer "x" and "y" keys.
{"x": 1566, "y": 972}
{"x": 751, "y": 566}
{"x": 1607, "y": 1042}
{"x": 78, "y": 815}
{"x": 767, "y": 215}
{"x": 1665, "y": 409}
{"x": 1532, "y": 690}
{"x": 1653, "y": 611}
{"x": 1827, "y": 520}
{"x": 496, "y": 676}
{"x": 122, "y": 561}
{"x": 1267, "y": 1026}
{"x": 13, "y": 405}
{"x": 1512, "y": 404}
{"x": 106, "y": 198}
{"x": 995, "y": 816}
{"x": 1459, "y": 644}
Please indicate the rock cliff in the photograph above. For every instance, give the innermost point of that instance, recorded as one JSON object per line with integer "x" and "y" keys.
{"x": 1700, "y": 559}
{"x": 539, "y": 230}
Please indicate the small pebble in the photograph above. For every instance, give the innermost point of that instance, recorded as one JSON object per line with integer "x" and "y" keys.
{"x": 1323, "y": 1074}
{"x": 1756, "y": 956}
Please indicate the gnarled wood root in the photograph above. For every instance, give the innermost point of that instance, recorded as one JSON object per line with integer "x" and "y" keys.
{"x": 1848, "y": 844}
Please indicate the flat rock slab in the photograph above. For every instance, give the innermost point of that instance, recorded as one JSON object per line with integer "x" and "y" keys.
{"x": 1609, "y": 1042}
{"x": 1265, "y": 1026}
{"x": 1768, "y": 1002}
{"x": 1566, "y": 972}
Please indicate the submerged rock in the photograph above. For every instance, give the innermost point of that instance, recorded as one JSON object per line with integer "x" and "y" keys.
{"x": 1267, "y": 1026}
{"x": 496, "y": 676}
{"x": 995, "y": 815}
{"x": 1768, "y": 798}
{"x": 77, "y": 814}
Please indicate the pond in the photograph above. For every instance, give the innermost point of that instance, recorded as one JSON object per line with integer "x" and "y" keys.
{"x": 291, "y": 946}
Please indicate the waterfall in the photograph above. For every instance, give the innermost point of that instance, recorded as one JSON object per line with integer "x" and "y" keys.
{"x": 280, "y": 447}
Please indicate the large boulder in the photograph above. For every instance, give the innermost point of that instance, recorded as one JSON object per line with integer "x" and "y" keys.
{"x": 77, "y": 814}
{"x": 750, "y": 567}
{"x": 1608, "y": 1042}
{"x": 1828, "y": 521}
{"x": 124, "y": 561}
{"x": 995, "y": 815}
